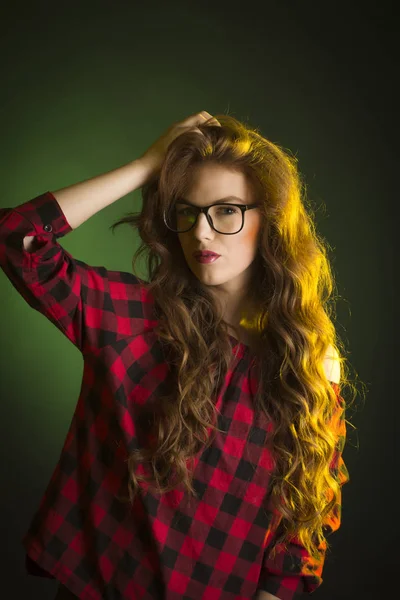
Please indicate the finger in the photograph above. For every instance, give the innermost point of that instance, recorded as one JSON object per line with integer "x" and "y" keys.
{"x": 198, "y": 118}
{"x": 207, "y": 117}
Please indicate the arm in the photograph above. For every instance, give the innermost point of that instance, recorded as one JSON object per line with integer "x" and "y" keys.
{"x": 68, "y": 292}
{"x": 265, "y": 596}
{"x": 82, "y": 200}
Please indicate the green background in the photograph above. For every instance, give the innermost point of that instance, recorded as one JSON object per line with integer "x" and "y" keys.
{"x": 87, "y": 88}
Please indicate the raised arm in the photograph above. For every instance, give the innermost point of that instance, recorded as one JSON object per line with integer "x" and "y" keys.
{"x": 81, "y": 201}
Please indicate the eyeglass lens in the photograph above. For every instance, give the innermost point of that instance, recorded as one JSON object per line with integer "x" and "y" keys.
{"x": 226, "y": 218}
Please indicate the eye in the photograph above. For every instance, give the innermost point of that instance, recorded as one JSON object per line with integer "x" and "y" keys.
{"x": 233, "y": 209}
{"x": 182, "y": 211}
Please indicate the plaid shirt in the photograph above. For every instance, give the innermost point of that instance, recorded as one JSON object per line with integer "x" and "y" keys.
{"x": 173, "y": 546}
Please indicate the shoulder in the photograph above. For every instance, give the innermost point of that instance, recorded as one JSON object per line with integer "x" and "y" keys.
{"x": 332, "y": 365}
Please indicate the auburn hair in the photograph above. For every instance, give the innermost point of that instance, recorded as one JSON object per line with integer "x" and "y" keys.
{"x": 293, "y": 288}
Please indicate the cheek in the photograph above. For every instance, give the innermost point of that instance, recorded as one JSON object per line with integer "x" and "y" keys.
{"x": 250, "y": 237}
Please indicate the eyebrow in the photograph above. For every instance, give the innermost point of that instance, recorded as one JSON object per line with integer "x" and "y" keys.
{"x": 225, "y": 199}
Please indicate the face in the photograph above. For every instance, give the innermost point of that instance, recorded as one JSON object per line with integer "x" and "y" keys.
{"x": 228, "y": 277}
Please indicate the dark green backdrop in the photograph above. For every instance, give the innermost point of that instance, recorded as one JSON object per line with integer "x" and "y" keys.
{"x": 86, "y": 89}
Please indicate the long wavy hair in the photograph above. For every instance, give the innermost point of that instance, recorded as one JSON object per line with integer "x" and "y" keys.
{"x": 293, "y": 290}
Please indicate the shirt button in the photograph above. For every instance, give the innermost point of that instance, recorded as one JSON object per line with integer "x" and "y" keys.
{"x": 48, "y": 228}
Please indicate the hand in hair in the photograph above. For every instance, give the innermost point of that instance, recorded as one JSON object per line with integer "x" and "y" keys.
{"x": 155, "y": 154}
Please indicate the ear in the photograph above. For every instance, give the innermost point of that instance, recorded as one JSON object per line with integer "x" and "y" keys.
{"x": 332, "y": 365}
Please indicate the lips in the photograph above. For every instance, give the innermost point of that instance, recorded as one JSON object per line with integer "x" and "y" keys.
{"x": 205, "y": 253}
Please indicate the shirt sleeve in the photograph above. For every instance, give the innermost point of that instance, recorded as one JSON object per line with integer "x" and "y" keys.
{"x": 292, "y": 573}
{"x": 79, "y": 299}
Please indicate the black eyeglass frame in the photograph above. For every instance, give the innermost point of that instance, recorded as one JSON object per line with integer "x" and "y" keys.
{"x": 205, "y": 209}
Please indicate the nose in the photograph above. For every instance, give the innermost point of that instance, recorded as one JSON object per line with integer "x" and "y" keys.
{"x": 202, "y": 226}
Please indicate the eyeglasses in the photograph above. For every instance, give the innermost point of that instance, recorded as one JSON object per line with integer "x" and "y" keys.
{"x": 181, "y": 220}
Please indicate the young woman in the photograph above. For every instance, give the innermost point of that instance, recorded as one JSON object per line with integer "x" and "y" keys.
{"x": 204, "y": 458}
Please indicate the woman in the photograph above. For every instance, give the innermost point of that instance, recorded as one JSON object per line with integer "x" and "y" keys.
{"x": 205, "y": 453}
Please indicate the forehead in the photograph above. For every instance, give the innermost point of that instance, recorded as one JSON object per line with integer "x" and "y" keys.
{"x": 210, "y": 182}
